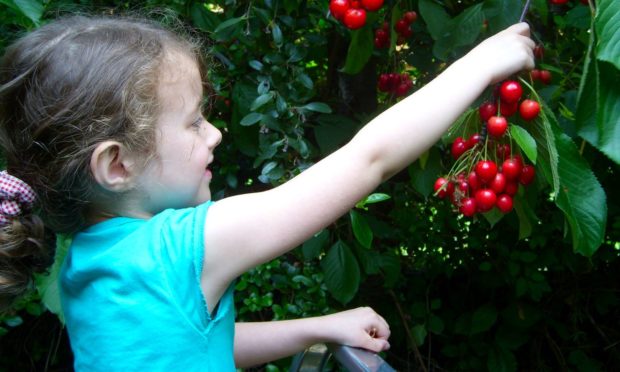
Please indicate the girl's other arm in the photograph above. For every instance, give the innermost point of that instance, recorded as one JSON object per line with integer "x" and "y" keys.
{"x": 244, "y": 231}
{"x": 258, "y": 343}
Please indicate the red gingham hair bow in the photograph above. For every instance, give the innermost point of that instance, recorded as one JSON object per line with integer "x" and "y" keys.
{"x": 15, "y": 194}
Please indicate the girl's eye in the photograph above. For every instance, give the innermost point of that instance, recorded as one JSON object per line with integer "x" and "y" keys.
{"x": 197, "y": 122}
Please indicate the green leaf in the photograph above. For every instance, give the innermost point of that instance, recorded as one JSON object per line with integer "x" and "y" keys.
{"x": 584, "y": 363}
{"x": 257, "y": 65}
{"x": 303, "y": 279}
{"x": 422, "y": 179}
{"x": 502, "y": 13}
{"x": 547, "y": 157}
{"x": 333, "y": 131}
{"x": 525, "y": 141}
{"x": 501, "y": 360}
{"x": 526, "y": 216}
{"x": 360, "y": 50}
{"x": 305, "y": 81}
{"x": 361, "y": 229}
{"x": 493, "y": 216}
{"x": 251, "y": 118}
{"x": 598, "y": 104}
{"x": 202, "y": 18}
{"x": 460, "y": 31}
{"x": 342, "y": 272}
{"x": 276, "y": 33}
{"x": 32, "y": 9}
{"x": 371, "y": 199}
{"x": 228, "y": 23}
{"x": 317, "y": 107}
{"x": 262, "y": 100}
{"x": 581, "y": 198}
{"x": 419, "y": 334}
{"x": 390, "y": 267}
{"x": 434, "y": 16}
{"x": 483, "y": 319}
{"x": 607, "y": 23}
{"x": 312, "y": 247}
{"x": 435, "y": 324}
{"x": 47, "y": 285}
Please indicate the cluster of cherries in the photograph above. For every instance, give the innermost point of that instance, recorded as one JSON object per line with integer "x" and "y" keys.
{"x": 402, "y": 28}
{"x": 352, "y": 13}
{"x": 395, "y": 84}
{"x": 510, "y": 102}
{"x": 478, "y": 184}
{"x": 544, "y": 76}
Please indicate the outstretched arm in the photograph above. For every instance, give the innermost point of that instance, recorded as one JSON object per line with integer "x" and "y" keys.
{"x": 258, "y": 343}
{"x": 246, "y": 230}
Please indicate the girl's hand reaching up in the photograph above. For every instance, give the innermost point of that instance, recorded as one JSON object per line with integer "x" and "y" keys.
{"x": 505, "y": 53}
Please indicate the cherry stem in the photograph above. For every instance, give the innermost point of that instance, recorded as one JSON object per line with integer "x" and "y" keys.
{"x": 525, "y": 8}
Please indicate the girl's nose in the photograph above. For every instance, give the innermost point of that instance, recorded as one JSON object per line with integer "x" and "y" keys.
{"x": 214, "y": 136}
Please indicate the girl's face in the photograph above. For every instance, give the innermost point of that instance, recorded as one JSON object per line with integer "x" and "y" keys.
{"x": 179, "y": 176}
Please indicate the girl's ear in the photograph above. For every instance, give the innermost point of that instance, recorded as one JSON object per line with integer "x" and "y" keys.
{"x": 112, "y": 166}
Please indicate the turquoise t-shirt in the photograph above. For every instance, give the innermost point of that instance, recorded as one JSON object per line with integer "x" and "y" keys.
{"x": 130, "y": 292}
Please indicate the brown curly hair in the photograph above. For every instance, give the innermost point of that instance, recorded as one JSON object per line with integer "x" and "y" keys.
{"x": 65, "y": 88}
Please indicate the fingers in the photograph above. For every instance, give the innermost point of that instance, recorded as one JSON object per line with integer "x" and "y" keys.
{"x": 376, "y": 344}
{"x": 378, "y": 333}
{"x": 521, "y": 28}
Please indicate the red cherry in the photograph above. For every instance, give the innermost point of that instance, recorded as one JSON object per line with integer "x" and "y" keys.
{"x": 508, "y": 109}
{"x": 468, "y": 206}
{"x": 402, "y": 89}
{"x": 407, "y": 33}
{"x": 504, "y": 203}
{"x": 355, "y": 4}
{"x": 443, "y": 187}
{"x": 497, "y": 125}
{"x": 474, "y": 182}
{"x": 394, "y": 81}
{"x": 529, "y": 109}
{"x": 354, "y": 18}
{"x": 558, "y": 2}
{"x": 410, "y": 16}
{"x": 384, "y": 83}
{"x": 539, "y": 51}
{"x": 401, "y": 26}
{"x": 545, "y": 77}
{"x": 485, "y": 199}
{"x": 386, "y": 26}
{"x": 372, "y": 5}
{"x": 498, "y": 184}
{"x": 510, "y": 91}
{"x": 511, "y": 168}
{"x": 459, "y": 146}
{"x": 535, "y": 74}
{"x": 462, "y": 186}
{"x": 511, "y": 188}
{"x": 527, "y": 175}
{"x": 338, "y": 8}
{"x": 381, "y": 34}
{"x": 503, "y": 151}
{"x": 486, "y": 110}
{"x": 486, "y": 170}
{"x": 473, "y": 140}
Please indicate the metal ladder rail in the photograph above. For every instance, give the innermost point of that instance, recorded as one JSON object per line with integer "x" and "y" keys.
{"x": 315, "y": 358}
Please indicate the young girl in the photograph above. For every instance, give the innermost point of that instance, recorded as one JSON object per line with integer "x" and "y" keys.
{"x": 104, "y": 138}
